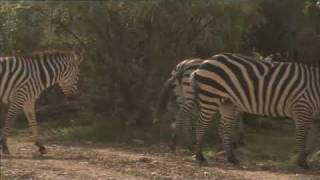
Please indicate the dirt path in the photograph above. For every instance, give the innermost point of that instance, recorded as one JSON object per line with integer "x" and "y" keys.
{"x": 87, "y": 161}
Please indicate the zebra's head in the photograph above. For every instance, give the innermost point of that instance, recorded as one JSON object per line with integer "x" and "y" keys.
{"x": 70, "y": 80}
{"x": 69, "y": 84}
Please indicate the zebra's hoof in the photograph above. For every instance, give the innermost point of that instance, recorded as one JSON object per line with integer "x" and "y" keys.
{"x": 203, "y": 163}
{"x": 303, "y": 165}
{"x": 233, "y": 160}
{"x": 172, "y": 147}
{"x": 201, "y": 160}
{"x": 42, "y": 150}
{"x": 6, "y": 151}
{"x": 302, "y": 161}
{"x": 191, "y": 148}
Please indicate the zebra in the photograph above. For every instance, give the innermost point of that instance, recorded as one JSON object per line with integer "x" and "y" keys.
{"x": 24, "y": 77}
{"x": 179, "y": 84}
{"x": 232, "y": 84}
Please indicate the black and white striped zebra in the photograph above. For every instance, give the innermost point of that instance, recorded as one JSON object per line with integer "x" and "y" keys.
{"x": 232, "y": 84}
{"x": 179, "y": 85}
{"x": 24, "y": 77}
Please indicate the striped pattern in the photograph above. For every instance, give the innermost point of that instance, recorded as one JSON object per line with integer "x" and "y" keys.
{"x": 182, "y": 90}
{"x": 179, "y": 85}
{"x": 24, "y": 77}
{"x": 231, "y": 84}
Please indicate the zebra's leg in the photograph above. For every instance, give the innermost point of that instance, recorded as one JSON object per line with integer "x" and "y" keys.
{"x": 312, "y": 136}
{"x": 29, "y": 110}
{"x": 183, "y": 124}
{"x": 303, "y": 124}
{"x": 173, "y": 142}
{"x": 238, "y": 131}
{"x": 240, "y": 128}
{"x": 201, "y": 127}
{"x": 220, "y": 132}
{"x": 13, "y": 110}
{"x": 229, "y": 117}
{"x": 193, "y": 132}
{"x": 187, "y": 131}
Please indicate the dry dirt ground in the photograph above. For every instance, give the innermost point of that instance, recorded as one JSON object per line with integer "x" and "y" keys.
{"x": 91, "y": 161}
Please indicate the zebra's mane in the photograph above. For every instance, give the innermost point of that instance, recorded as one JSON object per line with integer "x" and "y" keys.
{"x": 48, "y": 52}
{"x": 39, "y": 53}
{"x": 284, "y": 60}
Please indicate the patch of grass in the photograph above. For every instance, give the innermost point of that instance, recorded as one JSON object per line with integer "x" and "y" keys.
{"x": 84, "y": 127}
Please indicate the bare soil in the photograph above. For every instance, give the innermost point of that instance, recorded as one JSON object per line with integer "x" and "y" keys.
{"x": 93, "y": 161}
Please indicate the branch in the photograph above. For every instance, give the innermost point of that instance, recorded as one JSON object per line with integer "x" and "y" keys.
{"x": 59, "y": 23}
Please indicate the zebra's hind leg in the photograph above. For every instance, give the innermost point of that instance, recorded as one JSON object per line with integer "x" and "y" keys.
{"x": 229, "y": 119}
{"x": 173, "y": 142}
{"x": 30, "y": 114}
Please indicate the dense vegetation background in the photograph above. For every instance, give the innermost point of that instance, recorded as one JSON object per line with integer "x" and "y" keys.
{"x": 132, "y": 45}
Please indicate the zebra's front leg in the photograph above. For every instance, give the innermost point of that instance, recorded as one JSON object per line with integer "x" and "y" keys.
{"x": 182, "y": 127}
{"x": 29, "y": 110}
{"x": 228, "y": 142}
{"x": 11, "y": 116}
{"x": 239, "y": 132}
{"x": 303, "y": 128}
{"x": 229, "y": 118}
{"x": 186, "y": 126}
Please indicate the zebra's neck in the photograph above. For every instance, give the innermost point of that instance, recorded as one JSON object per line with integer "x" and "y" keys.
{"x": 53, "y": 69}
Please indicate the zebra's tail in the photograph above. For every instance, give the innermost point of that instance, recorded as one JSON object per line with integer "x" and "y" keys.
{"x": 164, "y": 98}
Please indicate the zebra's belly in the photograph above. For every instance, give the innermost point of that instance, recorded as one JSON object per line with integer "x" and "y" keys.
{"x": 266, "y": 112}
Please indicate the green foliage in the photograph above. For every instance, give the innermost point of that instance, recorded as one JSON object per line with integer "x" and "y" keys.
{"x": 133, "y": 44}
{"x": 290, "y": 26}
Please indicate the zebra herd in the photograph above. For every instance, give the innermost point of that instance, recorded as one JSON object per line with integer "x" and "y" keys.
{"x": 229, "y": 84}
{"x": 233, "y": 84}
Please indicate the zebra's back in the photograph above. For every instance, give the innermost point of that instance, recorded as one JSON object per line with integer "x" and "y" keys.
{"x": 254, "y": 86}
